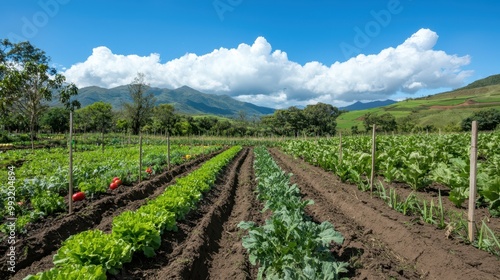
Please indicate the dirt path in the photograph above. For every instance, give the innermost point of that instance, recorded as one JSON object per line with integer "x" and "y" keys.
{"x": 35, "y": 250}
{"x": 381, "y": 243}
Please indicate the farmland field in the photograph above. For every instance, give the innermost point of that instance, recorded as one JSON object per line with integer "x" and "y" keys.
{"x": 377, "y": 241}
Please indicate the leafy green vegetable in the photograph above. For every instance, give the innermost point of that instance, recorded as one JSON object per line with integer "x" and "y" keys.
{"x": 94, "y": 247}
{"x": 141, "y": 233}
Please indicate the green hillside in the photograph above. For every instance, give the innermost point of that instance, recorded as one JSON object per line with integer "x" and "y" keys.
{"x": 443, "y": 111}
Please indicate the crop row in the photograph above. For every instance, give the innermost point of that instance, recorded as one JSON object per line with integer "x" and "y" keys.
{"x": 91, "y": 254}
{"x": 288, "y": 245}
{"x": 41, "y": 182}
{"x": 417, "y": 160}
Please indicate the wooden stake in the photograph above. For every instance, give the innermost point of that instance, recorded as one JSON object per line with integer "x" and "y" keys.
{"x": 70, "y": 189}
{"x": 340, "y": 149}
{"x": 372, "y": 177}
{"x": 472, "y": 181}
{"x": 140, "y": 157}
{"x": 168, "y": 150}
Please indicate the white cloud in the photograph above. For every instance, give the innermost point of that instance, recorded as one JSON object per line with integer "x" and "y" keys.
{"x": 256, "y": 74}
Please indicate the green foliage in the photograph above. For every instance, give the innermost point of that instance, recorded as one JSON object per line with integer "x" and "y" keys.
{"x": 48, "y": 203}
{"x": 287, "y": 247}
{"x": 94, "y": 247}
{"x": 317, "y": 120}
{"x": 55, "y": 120}
{"x": 486, "y": 120}
{"x": 491, "y": 193}
{"x": 139, "y": 232}
{"x": 160, "y": 217}
{"x": 487, "y": 240}
{"x": 416, "y": 160}
{"x": 97, "y": 117}
{"x": 164, "y": 116}
{"x": 385, "y": 122}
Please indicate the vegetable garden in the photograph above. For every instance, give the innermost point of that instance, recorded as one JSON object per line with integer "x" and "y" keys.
{"x": 233, "y": 212}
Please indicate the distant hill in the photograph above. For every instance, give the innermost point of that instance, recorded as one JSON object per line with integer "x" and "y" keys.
{"x": 488, "y": 81}
{"x": 367, "y": 105}
{"x": 444, "y": 110}
{"x": 185, "y": 100}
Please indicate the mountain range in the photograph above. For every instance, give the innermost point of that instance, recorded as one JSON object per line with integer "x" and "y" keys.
{"x": 185, "y": 100}
{"x": 358, "y": 105}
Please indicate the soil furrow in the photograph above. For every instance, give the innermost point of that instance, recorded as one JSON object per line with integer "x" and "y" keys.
{"x": 382, "y": 241}
{"x": 231, "y": 260}
{"x": 191, "y": 260}
{"x": 44, "y": 238}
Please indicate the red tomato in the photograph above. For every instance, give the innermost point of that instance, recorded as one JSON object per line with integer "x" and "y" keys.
{"x": 79, "y": 196}
{"x": 113, "y": 186}
{"x": 116, "y": 178}
{"x": 118, "y": 182}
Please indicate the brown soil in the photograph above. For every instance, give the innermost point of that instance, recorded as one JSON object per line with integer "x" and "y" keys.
{"x": 36, "y": 248}
{"x": 381, "y": 243}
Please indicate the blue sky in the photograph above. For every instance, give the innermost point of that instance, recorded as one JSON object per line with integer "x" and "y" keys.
{"x": 272, "y": 53}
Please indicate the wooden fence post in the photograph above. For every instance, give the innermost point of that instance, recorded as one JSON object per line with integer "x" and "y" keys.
{"x": 168, "y": 150}
{"x": 372, "y": 176}
{"x": 70, "y": 190}
{"x": 472, "y": 181}
{"x": 340, "y": 149}
{"x": 140, "y": 157}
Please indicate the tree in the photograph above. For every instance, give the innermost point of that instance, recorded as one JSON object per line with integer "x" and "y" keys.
{"x": 27, "y": 82}
{"x": 406, "y": 124}
{"x": 321, "y": 118}
{"x": 295, "y": 120}
{"x": 122, "y": 125}
{"x": 56, "y": 120}
{"x": 486, "y": 120}
{"x": 205, "y": 124}
{"x": 385, "y": 122}
{"x": 354, "y": 129}
{"x": 95, "y": 117}
{"x": 165, "y": 116}
{"x": 141, "y": 108}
